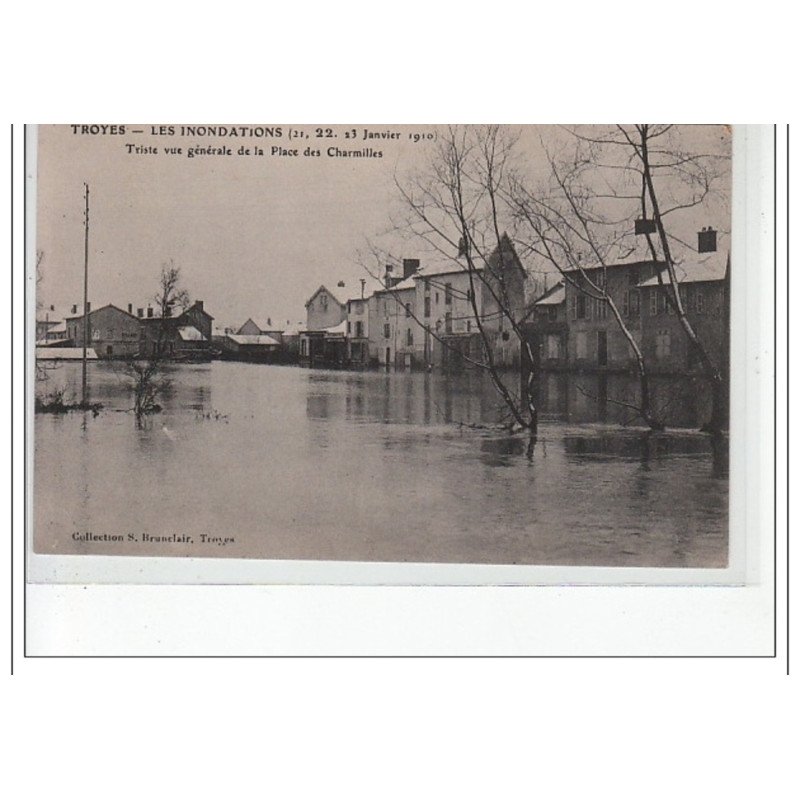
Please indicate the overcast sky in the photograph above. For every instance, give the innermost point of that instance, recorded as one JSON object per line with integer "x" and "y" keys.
{"x": 253, "y": 235}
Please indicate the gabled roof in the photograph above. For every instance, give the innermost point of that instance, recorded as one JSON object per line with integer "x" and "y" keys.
{"x": 194, "y": 305}
{"x": 95, "y": 310}
{"x": 618, "y": 265}
{"x": 553, "y": 297}
{"x": 447, "y": 266}
{"x": 406, "y": 283}
{"x": 189, "y": 333}
{"x": 324, "y": 288}
{"x": 263, "y": 324}
{"x": 702, "y": 270}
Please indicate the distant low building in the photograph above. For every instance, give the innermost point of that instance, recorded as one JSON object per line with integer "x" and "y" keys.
{"x": 252, "y": 347}
{"x": 113, "y": 333}
{"x": 185, "y": 336}
{"x": 50, "y": 325}
{"x": 324, "y": 342}
{"x": 262, "y": 327}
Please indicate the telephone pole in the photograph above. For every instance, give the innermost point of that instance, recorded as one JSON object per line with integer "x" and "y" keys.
{"x": 85, "y": 291}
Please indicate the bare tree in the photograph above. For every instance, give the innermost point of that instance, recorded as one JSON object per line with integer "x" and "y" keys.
{"x": 148, "y": 380}
{"x": 455, "y": 205}
{"x": 699, "y": 174}
{"x": 568, "y": 231}
{"x": 584, "y": 218}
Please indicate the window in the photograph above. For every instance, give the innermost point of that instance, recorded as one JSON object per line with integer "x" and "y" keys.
{"x": 386, "y": 330}
{"x": 552, "y": 313}
{"x": 662, "y": 301}
{"x": 448, "y": 322}
{"x": 633, "y": 302}
{"x": 662, "y": 344}
{"x": 700, "y": 301}
{"x": 409, "y": 337}
{"x": 553, "y": 346}
{"x": 580, "y": 345}
{"x": 626, "y": 304}
{"x": 633, "y": 276}
{"x": 348, "y": 327}
{"x": 323, "y": 299}
{"x": 653, "y": 302}
{"x": 469, "y": 325}
{"x": 602, "y": 308}
{"x": 408, "y": 309}
{"x": 581, "y": 306}
{"x": 448, "y": 294}
{"x": 427, "y": 305}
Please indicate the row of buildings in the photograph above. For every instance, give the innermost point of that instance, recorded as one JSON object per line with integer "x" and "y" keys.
{"x": 116, "y": 333}
{"x": 427, "y": 317}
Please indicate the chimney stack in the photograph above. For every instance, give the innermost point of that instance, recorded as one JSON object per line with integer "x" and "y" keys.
{"x": 130, "y": 308}
{"x": 707, "y": 240}
{"x": 149, "y": 311}
{"x": 74, "y": 308}
{"x": 140, "y": 312}
{"x": 387, "y": 278}
{"x": 199, "y": 304}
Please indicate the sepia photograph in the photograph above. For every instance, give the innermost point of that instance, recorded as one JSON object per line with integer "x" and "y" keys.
{"x": 435, "y": 344}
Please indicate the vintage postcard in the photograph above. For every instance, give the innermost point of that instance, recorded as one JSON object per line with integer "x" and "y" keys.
{"x": 489, "y": 345}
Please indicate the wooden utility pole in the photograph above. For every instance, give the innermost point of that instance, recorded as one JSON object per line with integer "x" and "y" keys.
{"x": 85, "y": 396}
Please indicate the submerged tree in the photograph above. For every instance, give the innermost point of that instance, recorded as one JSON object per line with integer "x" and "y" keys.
{"x": 146, "y": 371}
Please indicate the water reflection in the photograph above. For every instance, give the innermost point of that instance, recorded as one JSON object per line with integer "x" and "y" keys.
{"x": 379, "y": 466}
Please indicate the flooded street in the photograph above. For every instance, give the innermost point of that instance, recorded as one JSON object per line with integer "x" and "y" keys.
{"x": 289, "y": 463}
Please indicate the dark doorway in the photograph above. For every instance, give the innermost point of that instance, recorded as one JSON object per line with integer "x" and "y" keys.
{"x": 602, "y": 348}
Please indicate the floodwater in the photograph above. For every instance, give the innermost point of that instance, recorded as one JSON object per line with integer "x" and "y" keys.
{"x": 289, "y": 463}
